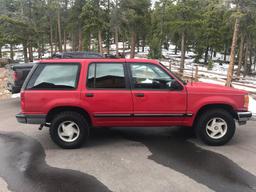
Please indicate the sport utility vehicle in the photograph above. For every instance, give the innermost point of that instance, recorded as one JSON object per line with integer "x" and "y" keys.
{"x": 72, "y": 96}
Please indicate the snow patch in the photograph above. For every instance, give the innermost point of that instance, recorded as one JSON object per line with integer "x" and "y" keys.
{"x": 17, "y": 95}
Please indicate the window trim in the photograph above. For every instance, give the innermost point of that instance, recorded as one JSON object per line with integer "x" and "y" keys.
{"x": 126, "y": 76}
{"x": 148, "y": 89}
{"x": 54, "y": 89}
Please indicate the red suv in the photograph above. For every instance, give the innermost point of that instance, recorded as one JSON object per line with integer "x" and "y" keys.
{"x": 72, "y": 96}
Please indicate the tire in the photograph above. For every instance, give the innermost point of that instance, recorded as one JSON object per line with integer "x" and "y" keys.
{"x": 215, "y": 127}
{"x": 69, "y": 130}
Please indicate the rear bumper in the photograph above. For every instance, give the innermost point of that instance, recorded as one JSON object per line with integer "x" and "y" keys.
{"x": 244, "y": 116}
{"x": 31, "y": 119}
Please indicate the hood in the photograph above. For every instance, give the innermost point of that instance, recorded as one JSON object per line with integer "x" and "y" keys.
{"x": 213, "y": 88}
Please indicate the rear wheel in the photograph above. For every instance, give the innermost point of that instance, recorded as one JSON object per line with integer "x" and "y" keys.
{"x": 215, "y": 127}
{"x": 69, "y": 130}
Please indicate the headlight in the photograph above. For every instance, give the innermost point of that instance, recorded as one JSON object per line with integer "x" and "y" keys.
{"x": 246, "y": 101}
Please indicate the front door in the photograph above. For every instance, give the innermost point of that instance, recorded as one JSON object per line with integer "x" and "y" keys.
{"x": 155, "y": 101}
{"x": 107, "y": 94}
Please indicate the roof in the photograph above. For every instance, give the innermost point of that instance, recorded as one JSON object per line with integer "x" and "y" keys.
{"x": 98, "y": 60}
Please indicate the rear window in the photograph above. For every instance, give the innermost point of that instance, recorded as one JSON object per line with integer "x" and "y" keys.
{"x": 54, "y": 76}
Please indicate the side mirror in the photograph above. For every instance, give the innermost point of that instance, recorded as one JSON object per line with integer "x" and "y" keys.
{"x": 176, "y": 86}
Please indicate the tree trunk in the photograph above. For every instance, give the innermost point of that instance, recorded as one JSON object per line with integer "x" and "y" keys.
{"x": 90, "y": 41}
{"x": 251, "y": 63}
{"x": 138, "y": 44}
{"x": 1, "y": 52}
{"x": 65, "y": 40}
{"x": 116, "y": 41}
{"x": 143, "y": 44}
{"x": 59, "y": 30}
{"x": 133, "y": 44}
{"x": 246, "y": 59}
{"x": 108, "y": 42}
{"x": 38, "y": 50}
{"x": 80, "y": 40}
{"x": 55, "y": 47}
{"x": 232, "y": 54}
{"x": 254, "y": 63}
{"x": 241, "y": 55}
{"x": 183, "y": 52}
{"x": 225, "y": 53}
{"x": 11, "y": 52}
{"x": 42, "y": 49}
{"x": 56, "y": 43}
{"x": 30, "y": 53}
{"x": 123, "y": 44}
{"x": 176, "y": 49}
{"x": 166, "y": 45}
{"x": 206, "y": 55}
{"x": 100, "y": 42}
{"x": 214, "y": 53}
{"x": 211, "y": 53}
{"x": 73, "y": 41}
{"x": 51, "y": 34}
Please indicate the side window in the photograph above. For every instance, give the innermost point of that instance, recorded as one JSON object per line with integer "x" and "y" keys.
{"x": 106, "y": 76}
{"x": 148, "y": 76}
{"x": 54, "y": 76}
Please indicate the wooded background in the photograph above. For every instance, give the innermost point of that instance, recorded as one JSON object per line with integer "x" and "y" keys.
{"x": 206, "y": 27}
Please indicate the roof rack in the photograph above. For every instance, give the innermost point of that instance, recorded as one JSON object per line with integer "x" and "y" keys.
{"x": 81, "y": 55}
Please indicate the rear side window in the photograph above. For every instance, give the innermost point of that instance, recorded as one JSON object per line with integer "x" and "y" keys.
{"x": 106, "y": 76}
{"x": 54, "y": 76}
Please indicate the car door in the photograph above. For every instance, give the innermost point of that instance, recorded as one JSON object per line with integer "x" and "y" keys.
{"x": 107, "y": 94}
{"x": 156, "y": 100}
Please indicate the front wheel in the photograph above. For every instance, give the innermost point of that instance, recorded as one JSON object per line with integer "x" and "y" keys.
{"x": 215, "y": 127}
{"x": 69, "y": 130}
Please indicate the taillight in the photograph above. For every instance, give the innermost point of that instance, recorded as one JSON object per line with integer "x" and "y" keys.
{"x": 15, "y": 76}
{"x": 246, "y": 102}
{"x": 22, "y": 101}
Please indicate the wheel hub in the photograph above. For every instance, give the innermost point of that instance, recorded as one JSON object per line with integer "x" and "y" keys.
{"x": 216, "y": 128}
{"x": 68, "y": 131}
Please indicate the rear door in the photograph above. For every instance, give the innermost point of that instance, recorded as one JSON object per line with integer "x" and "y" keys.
{"x": 107, "y": 94}
{"x": 155, "y": 102}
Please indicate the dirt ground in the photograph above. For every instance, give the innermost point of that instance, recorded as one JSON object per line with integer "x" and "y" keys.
{"x": 3, "y": 78}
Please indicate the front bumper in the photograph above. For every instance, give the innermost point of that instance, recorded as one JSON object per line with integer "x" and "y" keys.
{"x": 31, "y": 119}
{"x": 244, "y": 116}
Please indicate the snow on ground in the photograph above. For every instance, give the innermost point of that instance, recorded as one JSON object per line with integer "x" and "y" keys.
{"x": 222, "y": 82}
{"x": 16, "y": 95}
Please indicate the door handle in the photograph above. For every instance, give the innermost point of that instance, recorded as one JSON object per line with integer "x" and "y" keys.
{"x": 89, "y": 95}
{"x": 139, "y": 94}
